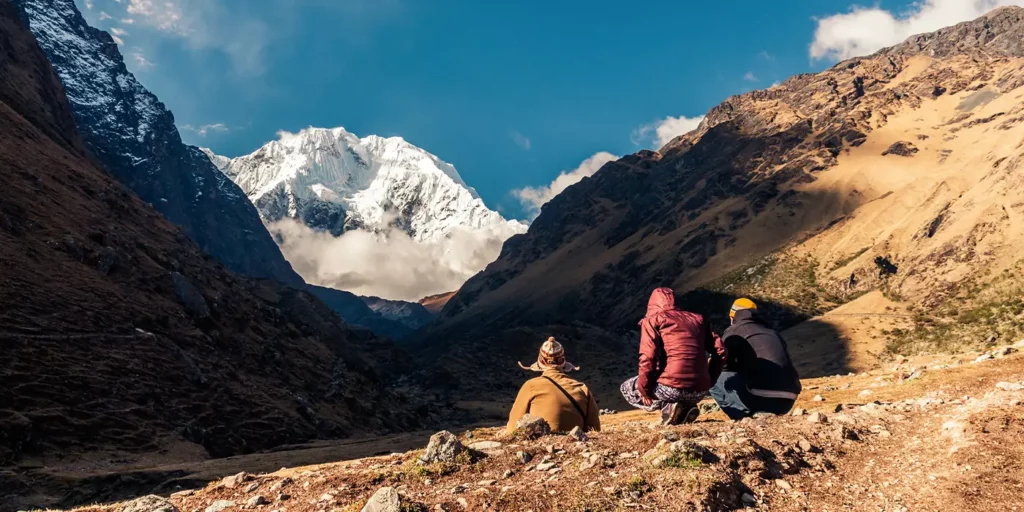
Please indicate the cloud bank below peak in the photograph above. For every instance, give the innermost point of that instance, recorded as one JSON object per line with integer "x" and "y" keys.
{"x": 865, "y": 30}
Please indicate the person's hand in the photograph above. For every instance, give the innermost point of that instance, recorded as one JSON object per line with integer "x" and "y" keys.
{"x": 643, "y": 395}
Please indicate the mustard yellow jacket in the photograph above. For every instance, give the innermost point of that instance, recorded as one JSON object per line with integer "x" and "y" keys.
{"x": 540, "y": 397}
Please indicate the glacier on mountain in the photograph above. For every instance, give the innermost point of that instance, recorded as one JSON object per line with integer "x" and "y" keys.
{"x": 371, "y": 215}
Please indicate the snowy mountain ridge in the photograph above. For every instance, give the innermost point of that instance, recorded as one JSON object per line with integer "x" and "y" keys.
{"x": 332, "y": 180}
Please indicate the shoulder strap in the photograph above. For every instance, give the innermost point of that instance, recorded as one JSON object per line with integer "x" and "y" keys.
{"x": 571, "y": 399}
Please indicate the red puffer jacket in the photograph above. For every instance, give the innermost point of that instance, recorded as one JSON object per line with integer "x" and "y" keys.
{"x": 674, "y": 347}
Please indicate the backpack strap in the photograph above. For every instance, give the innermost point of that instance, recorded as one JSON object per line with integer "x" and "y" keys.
{"x": 571, "y": 399}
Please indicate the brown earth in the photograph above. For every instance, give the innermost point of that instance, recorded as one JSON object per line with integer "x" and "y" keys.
{"x": 120, "y": 340}
{"x": 926, "y": 434}
{"x": 797, "y": 186}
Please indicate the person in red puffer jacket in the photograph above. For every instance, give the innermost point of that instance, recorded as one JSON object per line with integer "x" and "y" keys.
{"x": 675, "y": 371}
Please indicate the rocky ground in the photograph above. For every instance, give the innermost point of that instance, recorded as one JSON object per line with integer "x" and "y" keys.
{"x": 936, "y": 433}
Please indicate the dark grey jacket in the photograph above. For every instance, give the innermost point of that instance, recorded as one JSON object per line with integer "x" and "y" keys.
{"x": 759, "y": 354}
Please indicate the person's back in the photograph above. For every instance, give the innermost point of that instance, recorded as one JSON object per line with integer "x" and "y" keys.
{"x": 674, "y": 373}
{"x": 759, "y": 375}
{"x": 562, "y": 401}
{"x": 760, "y": 354}
{"x": 542, "y": 397}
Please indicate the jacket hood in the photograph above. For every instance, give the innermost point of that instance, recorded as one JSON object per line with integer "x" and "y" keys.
{"x": 662, "y": 299}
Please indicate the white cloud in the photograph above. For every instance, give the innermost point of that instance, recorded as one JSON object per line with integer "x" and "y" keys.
{"x": 164, "y": 15}
{"x": 390, "y": 265}
{"x": 663, "y": 131}
{"x": 765, "y": 56}
{"x": 117, "y": 31}
{"x": 521, "y": 140}
{"x": 533, "y": 198}
{"x": 140, "y": 60}
{"x": 750, "y": 77}
{"x": 128, "y": 21}
{"x": 88, "y": 4}
{"x": 864, "y": 30}
{"x": 118, "y": 40}
{"x": 104, "y": 16}
{"x": 206, "y": 129}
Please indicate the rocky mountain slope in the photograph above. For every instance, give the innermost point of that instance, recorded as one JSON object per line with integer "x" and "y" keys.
{"x": 122, "y": 341}
{"x": 940, "y": 434}
{"x": 334, "y": 181}
{"x": 133, "y": 135}
{"x": 898, "y": 172}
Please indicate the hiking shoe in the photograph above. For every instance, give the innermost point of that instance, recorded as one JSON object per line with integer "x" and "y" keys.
{"x": 666, "y": 414}
{"x": 691, "y": 415}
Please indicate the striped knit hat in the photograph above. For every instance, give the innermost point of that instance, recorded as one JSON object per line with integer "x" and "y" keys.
{"x": 741, "y": 304}
{"x": 551, "y": 357}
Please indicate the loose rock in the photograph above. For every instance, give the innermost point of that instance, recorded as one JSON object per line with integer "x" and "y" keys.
{"x": 219, "y": 505}
{"x": 386, "y": 499}
{"x": 443, "y": 447}
{"x": 532, "y": 427}
{"x": 151, "y": 503}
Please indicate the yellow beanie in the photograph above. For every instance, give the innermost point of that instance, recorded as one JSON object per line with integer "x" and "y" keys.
{"x": 741, "y": 304}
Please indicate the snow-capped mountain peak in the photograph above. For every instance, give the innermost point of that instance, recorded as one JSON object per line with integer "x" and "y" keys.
{"x": 332, "y": 180}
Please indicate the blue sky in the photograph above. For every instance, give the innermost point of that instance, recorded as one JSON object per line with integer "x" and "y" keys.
{"x": 511, "y": 93}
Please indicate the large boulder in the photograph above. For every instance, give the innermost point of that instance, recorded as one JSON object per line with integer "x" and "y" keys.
{"x": 443, "y": 447}
{"x": 532, "y": 427}
{"x": 151, "y": 503}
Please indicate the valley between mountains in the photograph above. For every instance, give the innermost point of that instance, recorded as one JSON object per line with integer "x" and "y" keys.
{"x": 170, "y": 317}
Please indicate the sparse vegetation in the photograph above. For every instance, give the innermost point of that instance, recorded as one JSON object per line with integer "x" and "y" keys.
{"x": 849, "y": 259}
{"x": 975, "y": 313}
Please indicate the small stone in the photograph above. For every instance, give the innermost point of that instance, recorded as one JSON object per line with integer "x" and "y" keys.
{"x": 252, "y": 487}
{"x": 669, "y": 436}
{"x": 284, "y": 497}
{"x": 782, "y": 484}
{"x": 1010, "y": 386}
{"x": 818, "y": 398}
{"x": 843, "y": 432}
{"x": 748, "y": 498}
{"x": 880, "y": 431}
{"x": 805, "y": 445}
{"x": 463, "y": 503}
{"x": 256, "y": 501}
{"x": 219, "y": 505}
{"x": 798, "y": 412}
{"x": 183, "y": 494}
{"x": 578, "y": 434}
{"x": 866, "y": 393}
{"x": 507, "y": 474}
{"x": 485, "y": 446}
{"x": 982, "y": 358}
{"x": 278, "y": 485}
{"x": 544, "y": 466}
{"x": 817, "y": 417}
{"x": 326, "y": 498}
{"x": 233, "y": 481}
{"x": 386, "y": 499}
{"x": 487, "y": 483}
{"x": 524, "y": 457}
{"x": 458, "y": 489}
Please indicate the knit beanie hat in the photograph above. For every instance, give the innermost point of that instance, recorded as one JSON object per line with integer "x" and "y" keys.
{"x": 741, "y": 304}
{"x": 551, "y": 357}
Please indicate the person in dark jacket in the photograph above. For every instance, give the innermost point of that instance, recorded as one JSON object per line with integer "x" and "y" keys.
{"x": 674, "y": 372}
{"x": 759, "y": 375}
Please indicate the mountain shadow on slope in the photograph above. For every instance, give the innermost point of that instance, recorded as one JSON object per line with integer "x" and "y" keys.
{"x": 479, "y": 367}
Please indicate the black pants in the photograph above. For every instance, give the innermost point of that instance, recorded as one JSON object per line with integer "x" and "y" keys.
{"x": 737, "y": 402}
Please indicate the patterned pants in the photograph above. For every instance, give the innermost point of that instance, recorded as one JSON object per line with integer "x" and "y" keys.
{"x": 664, "y": 396}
